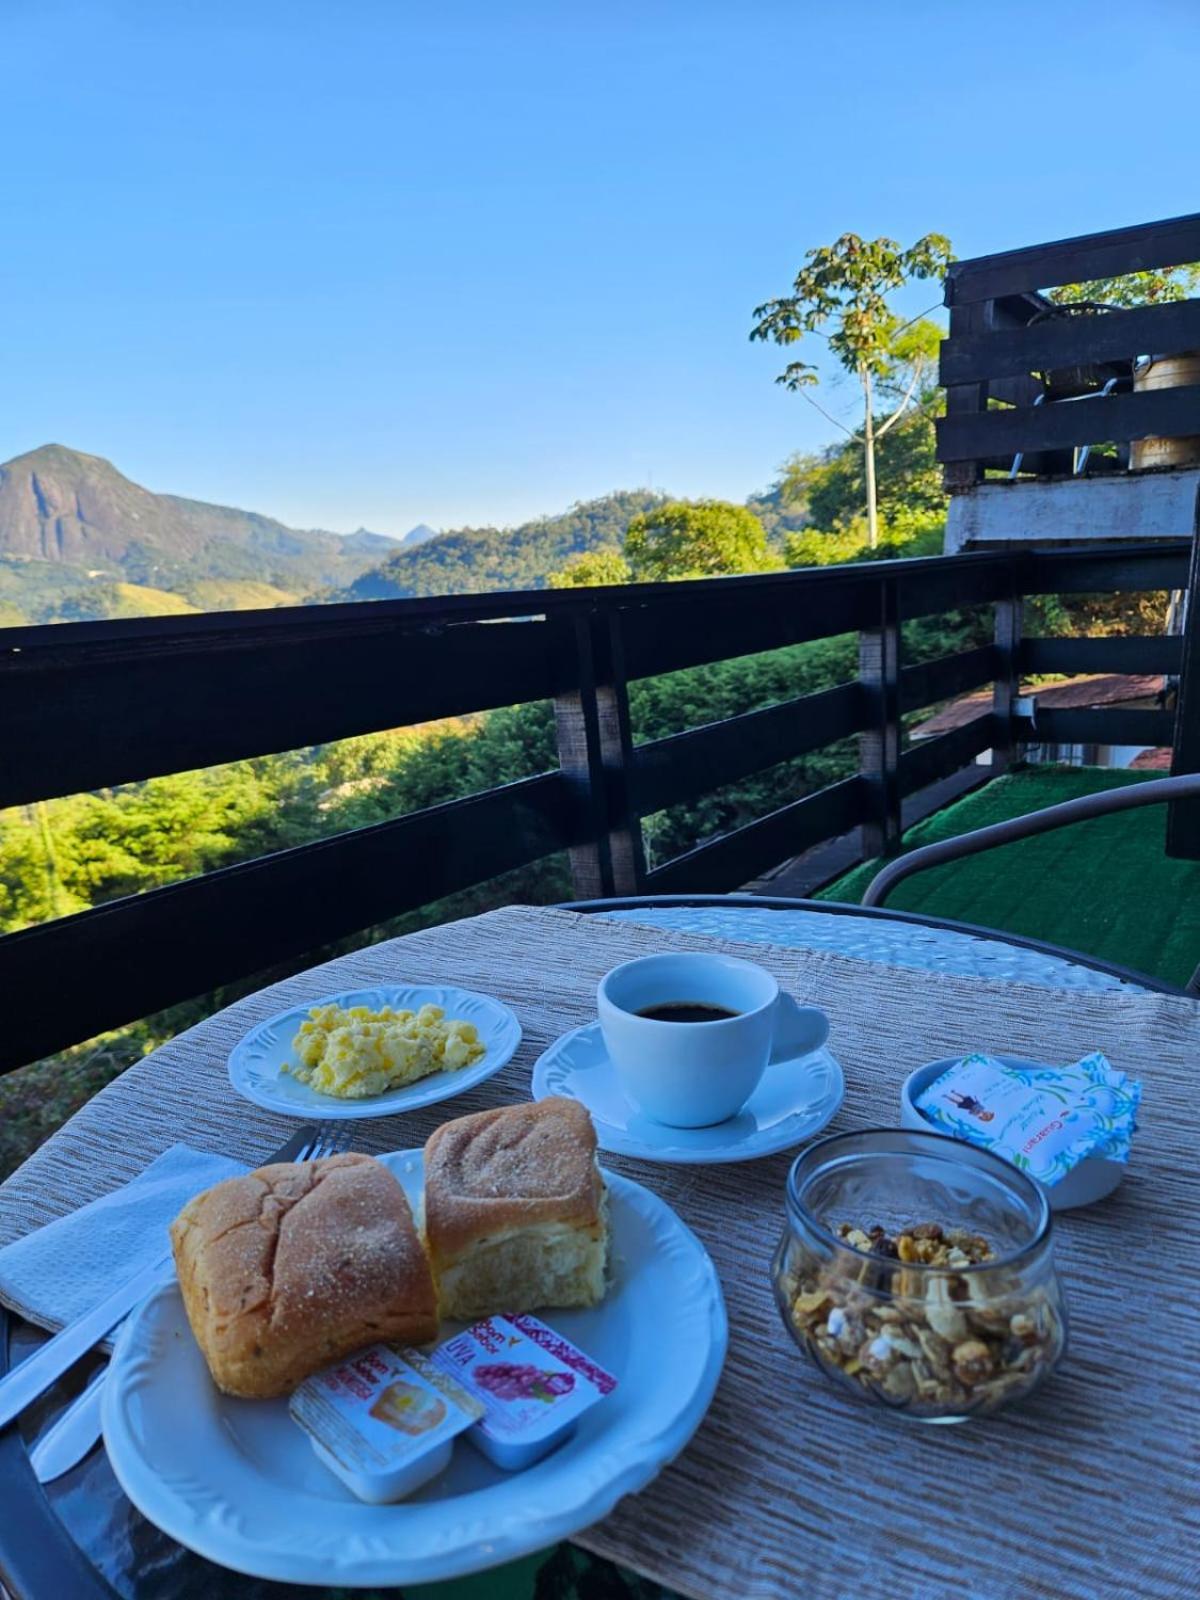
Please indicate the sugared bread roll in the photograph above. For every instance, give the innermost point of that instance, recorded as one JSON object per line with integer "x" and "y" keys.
{"x": 515, "y": 1210}
{"x": 292, "y": 1267}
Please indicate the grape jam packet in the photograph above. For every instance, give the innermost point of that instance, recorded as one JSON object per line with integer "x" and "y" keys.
{"x": 533, "y": 1384}
{"x": 1044, "y": 1120}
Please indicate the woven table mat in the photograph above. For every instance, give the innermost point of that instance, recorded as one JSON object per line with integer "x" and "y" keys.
{"x": 790, "y": 1488}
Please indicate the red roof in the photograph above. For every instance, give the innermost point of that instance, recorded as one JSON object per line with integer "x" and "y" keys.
{"x": 1095, "y": 689}
{"x": 1153, "y": 760}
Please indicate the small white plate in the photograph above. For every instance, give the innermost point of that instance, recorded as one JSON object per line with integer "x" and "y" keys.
{"x": 793, "y": 1102}
{"x": 256, "y": 1062}
{"x": 236, "y": 1480}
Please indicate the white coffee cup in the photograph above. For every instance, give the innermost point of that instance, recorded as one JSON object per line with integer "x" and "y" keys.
{"x": 694, "y": 1074}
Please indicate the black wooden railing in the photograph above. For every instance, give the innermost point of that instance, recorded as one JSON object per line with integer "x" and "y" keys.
{"x": 1008, "y": 344}
{"x": 1012, "y": 356}
{"x": 88, "y": 705}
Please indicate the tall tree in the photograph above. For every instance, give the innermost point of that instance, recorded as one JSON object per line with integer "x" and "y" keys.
{"x": 696, "y": 539}
{"x": 588, "y": 568}
{"x": 831, "y": 486}
{"x": 843, "y": 288}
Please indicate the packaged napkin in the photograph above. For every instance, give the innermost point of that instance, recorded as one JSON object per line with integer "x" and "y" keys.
{"x": 1045, "y": 1120}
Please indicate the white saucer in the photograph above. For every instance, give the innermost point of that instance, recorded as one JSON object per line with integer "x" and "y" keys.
{"x": 793, "y": 1102}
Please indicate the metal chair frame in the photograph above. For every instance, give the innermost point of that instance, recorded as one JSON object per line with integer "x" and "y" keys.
{"x": 1103, "y": 804}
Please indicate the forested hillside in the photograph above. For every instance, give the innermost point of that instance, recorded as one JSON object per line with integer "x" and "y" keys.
{"x": 482, "y": 560}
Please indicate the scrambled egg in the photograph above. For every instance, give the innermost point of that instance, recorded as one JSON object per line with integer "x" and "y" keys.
{"x": 353, "y": 1052}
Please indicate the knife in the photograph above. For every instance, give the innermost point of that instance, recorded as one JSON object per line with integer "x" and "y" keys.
{"x": 37, "y": 1372}
{"x": 73, "y": 1434}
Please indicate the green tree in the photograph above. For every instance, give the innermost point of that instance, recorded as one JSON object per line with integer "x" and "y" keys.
{"x": 696, "y": 539}
{"x": 1132, "y": 288}
{"x": 591, "y": 569}
{"x": 844, "y": 288}
{"x": 903, "y": 533}
{"x": 831, "y": 486}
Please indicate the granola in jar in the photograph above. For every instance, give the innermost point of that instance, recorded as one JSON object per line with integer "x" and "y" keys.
{"x": 919, "y": 1319}
{"x": 918, "y": 1272}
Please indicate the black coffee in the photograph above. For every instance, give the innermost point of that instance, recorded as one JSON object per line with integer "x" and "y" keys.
{"x": 686, "y": 1011}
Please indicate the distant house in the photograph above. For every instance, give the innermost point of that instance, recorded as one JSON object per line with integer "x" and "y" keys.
{"x": 1133, "y": 693}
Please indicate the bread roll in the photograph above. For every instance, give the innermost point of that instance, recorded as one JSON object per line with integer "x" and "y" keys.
{"x": 515, "y": 1210}
{"x": 290, "y": 1268}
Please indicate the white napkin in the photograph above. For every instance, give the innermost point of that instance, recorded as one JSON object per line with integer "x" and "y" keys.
{"x": 58, "y": 1272}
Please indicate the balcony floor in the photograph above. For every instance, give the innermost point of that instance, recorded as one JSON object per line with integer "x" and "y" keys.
{"x": 1103, "y": 887}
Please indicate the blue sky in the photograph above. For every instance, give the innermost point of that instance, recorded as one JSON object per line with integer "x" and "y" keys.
{"x": 374, "y": 263}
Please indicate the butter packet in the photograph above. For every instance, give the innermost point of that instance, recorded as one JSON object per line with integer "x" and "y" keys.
{"x": 1044, "y": 1120}
{"x": 384, "y": 1421}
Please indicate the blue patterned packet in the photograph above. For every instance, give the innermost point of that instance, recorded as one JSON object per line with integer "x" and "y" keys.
{"x": 1044, "y": 1120}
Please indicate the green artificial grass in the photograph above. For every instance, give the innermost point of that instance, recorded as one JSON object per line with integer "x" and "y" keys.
{"x": 1106, "y": 887}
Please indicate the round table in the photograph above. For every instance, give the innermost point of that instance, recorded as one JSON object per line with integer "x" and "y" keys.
{"x": 895, "y": 938}
{"x": 80, "y": 1537}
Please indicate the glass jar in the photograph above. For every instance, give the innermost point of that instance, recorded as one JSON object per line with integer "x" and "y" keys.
{"x": 918, "y": 1271}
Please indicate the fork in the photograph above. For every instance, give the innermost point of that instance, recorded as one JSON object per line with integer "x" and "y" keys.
{"x": 322, "y": 1143}
{"x": 75, "y": 1432}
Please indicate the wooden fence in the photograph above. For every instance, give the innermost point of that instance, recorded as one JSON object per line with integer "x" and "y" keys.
{"x": 87, "y": 705}
{"x": 1004, "y": 333}
{"x": 1027, "y": 379}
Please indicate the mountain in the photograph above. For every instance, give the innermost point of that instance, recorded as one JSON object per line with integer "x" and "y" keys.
{"x": 79, "y": 540}
{"x": 374, "y": 544}
{"x": 76, "y": 536}
{"x": 481, "y": 560}
{"x": 381, "y": 544}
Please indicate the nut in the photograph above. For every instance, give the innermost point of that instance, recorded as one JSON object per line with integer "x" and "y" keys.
{"x": 810, "y": 1304}
{"x": 972, "y": 1361}
{"x": 935, "y": 1349}
{"x": 1024, "y": 1327}
{"x": 942, "y": 1314}
{"x": 900, "y": 1382}
{"x": 986, "y": 1312}
{"x": 855, "y": 1238}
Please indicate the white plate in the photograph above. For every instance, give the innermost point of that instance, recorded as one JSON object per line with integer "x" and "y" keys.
{"x": 236, "y": 1480}
{"x": 256, "y": 1062}
{"x": 793, "y": 1102}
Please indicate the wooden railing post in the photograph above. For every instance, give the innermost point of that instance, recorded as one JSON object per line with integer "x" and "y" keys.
{"x": 594, "y": 753}
{"x": 964, "y": 399}
{"x": 879, "y": 746}
{"x": 1007, "y": 634}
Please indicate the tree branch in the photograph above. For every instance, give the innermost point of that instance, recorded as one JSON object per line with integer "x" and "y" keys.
{"x": 851, "y": 433}
{"x": 908, "y": 394}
